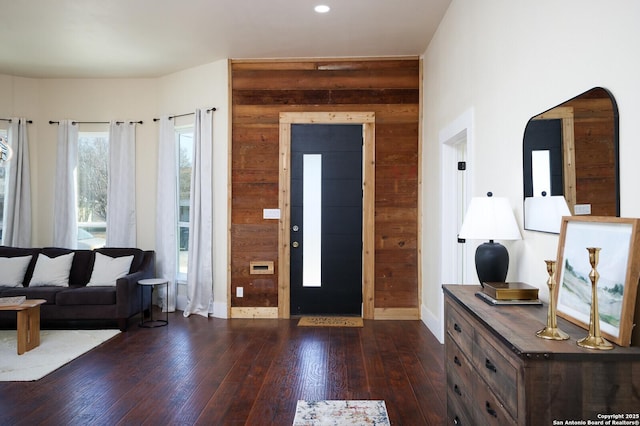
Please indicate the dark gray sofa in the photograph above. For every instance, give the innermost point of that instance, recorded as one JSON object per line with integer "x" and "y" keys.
{"x": 77, "y": 302}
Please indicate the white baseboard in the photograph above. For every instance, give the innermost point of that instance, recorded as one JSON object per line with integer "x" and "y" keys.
{"x": 433, "y": 323}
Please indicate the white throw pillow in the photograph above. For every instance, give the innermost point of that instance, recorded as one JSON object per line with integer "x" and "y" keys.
{"x": 52, "y": 271}
{"x": 107, "y": 269}
{"x": 12, "y": 270}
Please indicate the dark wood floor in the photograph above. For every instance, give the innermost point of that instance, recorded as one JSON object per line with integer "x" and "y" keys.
{"x": 236, "y": 372}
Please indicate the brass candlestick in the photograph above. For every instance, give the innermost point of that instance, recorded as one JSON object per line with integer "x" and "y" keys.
{"x": 551, "y": 331}
{"x": 594, "y": 340}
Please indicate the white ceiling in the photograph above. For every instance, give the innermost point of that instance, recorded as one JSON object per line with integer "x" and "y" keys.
{"x": 151, "y": 38}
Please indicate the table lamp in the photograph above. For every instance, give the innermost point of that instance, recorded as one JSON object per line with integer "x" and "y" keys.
{"x": 490, "y": 218}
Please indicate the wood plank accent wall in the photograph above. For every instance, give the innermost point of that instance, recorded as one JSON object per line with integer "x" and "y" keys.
{"x": 261, "y": 90}
{"x": 595, "y": 156}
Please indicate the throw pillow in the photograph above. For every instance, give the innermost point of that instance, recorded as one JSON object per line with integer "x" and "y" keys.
{"x": 52, "y": 271}
{"x": 13, "y": 270}
{"x": 107, "y": 270}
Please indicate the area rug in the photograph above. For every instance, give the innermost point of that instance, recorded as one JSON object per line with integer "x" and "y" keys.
{"x": 330, "y": 322}
{"x": 57, "y": 348}
{"x": 338, "y": 413}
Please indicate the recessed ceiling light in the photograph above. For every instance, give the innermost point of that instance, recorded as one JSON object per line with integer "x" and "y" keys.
{"x": 322, "y": 8}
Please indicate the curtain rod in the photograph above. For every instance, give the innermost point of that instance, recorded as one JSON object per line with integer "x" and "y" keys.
{"x": 11, "y": 120}
{"x": 171, "y": 117}
{"x": 96, "y": 122}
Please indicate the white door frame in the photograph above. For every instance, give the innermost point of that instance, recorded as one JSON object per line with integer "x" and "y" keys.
{"x": 456, "y": 142}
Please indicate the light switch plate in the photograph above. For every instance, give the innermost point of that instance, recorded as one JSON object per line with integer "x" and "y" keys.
{"x": 580, "y": 209}
{"x": 239, "y": 291}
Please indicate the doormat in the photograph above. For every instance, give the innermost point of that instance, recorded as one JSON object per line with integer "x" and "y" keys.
{"x": 330, "y": 322}
{"x": 340, "y": 412}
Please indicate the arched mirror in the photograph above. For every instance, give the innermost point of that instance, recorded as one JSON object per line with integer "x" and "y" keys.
{"x": 570, "y": 161}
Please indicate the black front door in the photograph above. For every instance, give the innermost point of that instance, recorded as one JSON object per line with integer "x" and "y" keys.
{"x": 326, "y": 219}
{"x": 544, "y": 137}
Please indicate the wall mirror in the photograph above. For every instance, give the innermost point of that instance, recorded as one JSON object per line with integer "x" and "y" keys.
{"x": 570, "y": 161}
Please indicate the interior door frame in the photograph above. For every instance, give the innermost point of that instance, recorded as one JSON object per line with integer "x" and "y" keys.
{"x": 367, "y": 120}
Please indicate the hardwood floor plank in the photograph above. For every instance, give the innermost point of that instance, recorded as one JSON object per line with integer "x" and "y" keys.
{"x": 236, "y": 372}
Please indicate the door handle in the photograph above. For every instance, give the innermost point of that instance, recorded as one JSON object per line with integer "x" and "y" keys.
{"x": 295, "y": 244}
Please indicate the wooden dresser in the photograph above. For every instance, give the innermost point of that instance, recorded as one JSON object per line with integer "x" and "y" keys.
{"x": 500, "y": 373}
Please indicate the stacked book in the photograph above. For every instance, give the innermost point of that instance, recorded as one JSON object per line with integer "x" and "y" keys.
{"x": 12, "y": 300}
{"x": 509, "y": 293}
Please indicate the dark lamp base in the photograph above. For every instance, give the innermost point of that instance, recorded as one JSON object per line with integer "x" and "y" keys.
{"x": 492, "y": 262}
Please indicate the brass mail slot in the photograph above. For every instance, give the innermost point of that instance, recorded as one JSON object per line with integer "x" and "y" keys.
{"x": 261, "y": 267}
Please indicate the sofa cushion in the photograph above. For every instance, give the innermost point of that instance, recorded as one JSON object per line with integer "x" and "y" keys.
{"x": 52, "y": 271}
{"x": 48, "y": 293}
{"x": 80, "y": 267}
{"x": 107, "y": 269}
{"x": 13, "y": 270}
{"x": 6, "y": 251}
{"x": 87, "y": 296}
{"x": 138, "y": 255}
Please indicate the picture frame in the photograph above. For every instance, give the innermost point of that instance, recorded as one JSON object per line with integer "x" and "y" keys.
{"x": 618, "y": 269}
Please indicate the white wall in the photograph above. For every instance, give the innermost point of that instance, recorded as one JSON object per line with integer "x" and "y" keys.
{"x": 509, "y": 61}
{"x": 93, "y": 100}
{"x": 207, "y": 86}
{"x": 42, "y": 100}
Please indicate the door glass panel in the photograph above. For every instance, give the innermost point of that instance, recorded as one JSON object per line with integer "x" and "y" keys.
{"x": 312, "y": 220}
{"x": 541, "y": 171}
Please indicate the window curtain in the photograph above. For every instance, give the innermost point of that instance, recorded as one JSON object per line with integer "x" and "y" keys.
{"x": 65, "y": 217}
{"x": 17, "y": 209}
{"x": 121, "y": 189}
{"x": 200, "y": 264}
{"x": 166, "y": 216}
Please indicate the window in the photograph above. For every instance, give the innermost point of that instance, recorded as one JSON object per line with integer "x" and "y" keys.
{"x": 92, "y": 175}
{"x": 4, "y": 171}
{"x": 184, "y": 145}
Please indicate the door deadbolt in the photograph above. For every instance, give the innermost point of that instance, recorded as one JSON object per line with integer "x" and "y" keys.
{"x": 295, "y": 244}
{"x": 295, "y": 228}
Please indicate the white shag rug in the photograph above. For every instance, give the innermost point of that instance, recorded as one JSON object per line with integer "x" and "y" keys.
{"x": 57, "y": 347}
{"x": 341, "y": 412}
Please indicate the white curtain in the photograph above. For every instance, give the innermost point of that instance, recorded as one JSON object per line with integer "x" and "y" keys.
{"x": 166, "y": 216}
{"x": 200, "y": 264}
{"x": 65, "y": 217}
{"x": 17, "y": 209}
{"x": 121, "y": 190}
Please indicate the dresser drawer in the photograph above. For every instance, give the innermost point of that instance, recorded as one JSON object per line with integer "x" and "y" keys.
{"x": 499, "y": 374}
{"x": 457, "y": 362}
{"x": 459, "y": 328}
{"x": 458, "y": 410}
{"x": 488, "y": 410}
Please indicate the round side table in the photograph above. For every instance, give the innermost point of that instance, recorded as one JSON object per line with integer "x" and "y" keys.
{"x": 153, "y": 283}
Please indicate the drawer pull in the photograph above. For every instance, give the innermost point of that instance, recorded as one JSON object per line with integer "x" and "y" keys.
{"x": 491, "y": 411}
{"x": 456, "y": 389}
{"x": 457, "y": 328}
{"x": 489, "y": 365}
{"x": 456, "y": 421}
{"x": 456, "y": 361}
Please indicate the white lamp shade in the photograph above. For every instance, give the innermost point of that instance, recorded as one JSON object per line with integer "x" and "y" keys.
{"x": 545, "y": 213}
{"x": 490, "y": 218}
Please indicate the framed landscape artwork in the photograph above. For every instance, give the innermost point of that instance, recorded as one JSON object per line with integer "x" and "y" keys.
{"x": 618, "y": 269}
